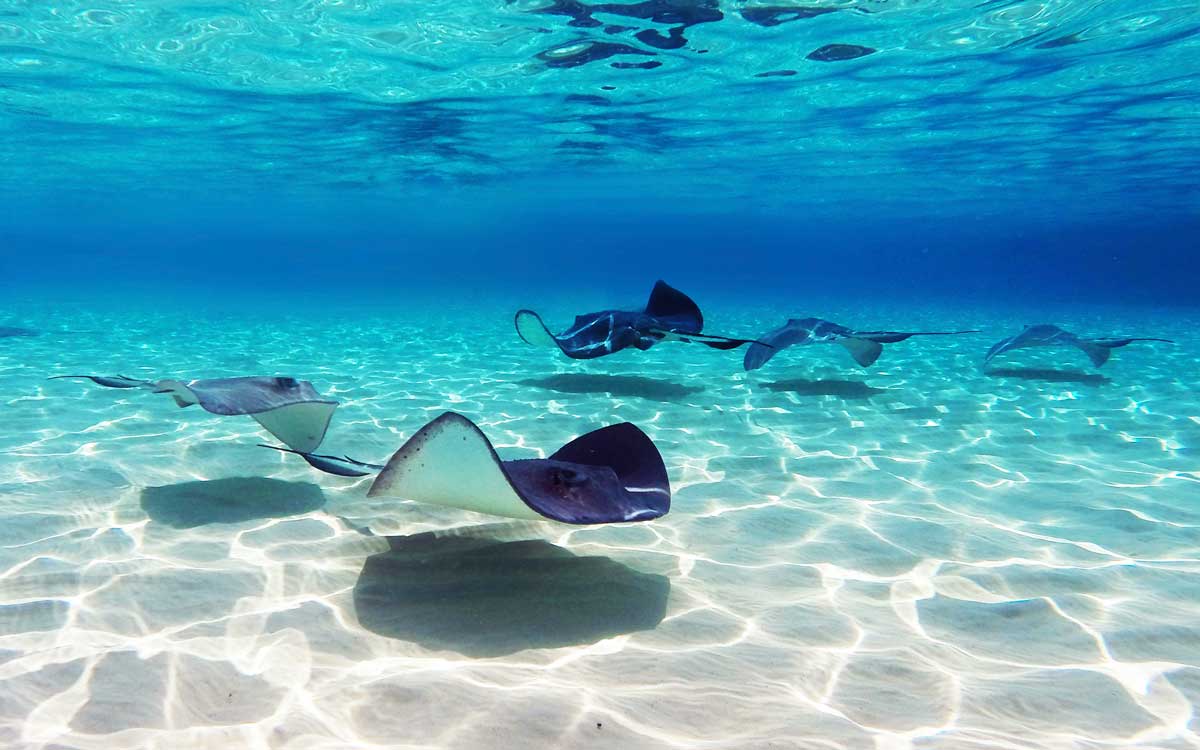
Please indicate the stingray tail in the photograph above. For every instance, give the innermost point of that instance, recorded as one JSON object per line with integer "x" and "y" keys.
{"x": 342, "y": 466}
{"x": 891, "y": 337}
{"x": 1114, "y": 343}
{"x": 723, "y": 343}
{"x": 109, "y": 381}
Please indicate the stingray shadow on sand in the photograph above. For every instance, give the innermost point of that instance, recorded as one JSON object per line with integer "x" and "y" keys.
{"x": 190, "y": 504}
{"x": 483, "y": 597}
{"x": 1049, "y": 375}
{"x": 849, "y": 389}
{"x": 615, "y": 385}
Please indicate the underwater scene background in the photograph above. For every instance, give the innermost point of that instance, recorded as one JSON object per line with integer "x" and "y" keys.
{"x": 922, "y": 553}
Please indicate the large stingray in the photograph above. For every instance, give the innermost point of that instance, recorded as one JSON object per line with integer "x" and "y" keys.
{"x": 289, "y": 409}
{"x": 611, "y": 475}
{"x": 1098, "y": 350}
{"x": 864, "y": 346}
{"x": 669, "y": 315}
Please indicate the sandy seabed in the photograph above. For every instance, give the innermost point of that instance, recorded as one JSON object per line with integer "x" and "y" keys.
{"x": 915, "y": 555}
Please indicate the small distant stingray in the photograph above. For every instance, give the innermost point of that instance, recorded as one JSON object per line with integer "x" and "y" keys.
{"x": 1097, "y": 350}
{"x": 669, "y": 315}
{"x": 289, "y": 409}
{"x": 611, "y": 475}
{"x": 9, "y": 332}
{"x": 864, "y": 346}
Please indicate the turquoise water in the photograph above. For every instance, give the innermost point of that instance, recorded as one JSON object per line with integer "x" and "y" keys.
{"x": 918, "y": 554}
{"x": 966, "y": 107}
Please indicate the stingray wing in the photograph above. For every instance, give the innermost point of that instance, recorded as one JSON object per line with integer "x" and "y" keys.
{"x": 636, "y": 462}
{"x": 864, "y": 351}
{"x": 450, "y": 462}
{"x": 533, "y": 330}
{"x": 1002, "y": 346}
{"x": 867, "y": 346}
{"x": 1099, "y": 350}
{"x": 592, "y": 335}
{"x": 673, "y": 309}
{"x": 769, "y": 344}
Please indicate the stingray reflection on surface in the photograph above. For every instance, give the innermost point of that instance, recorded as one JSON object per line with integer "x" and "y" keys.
{"x": 1050, "y": 376}
{"x": 841, "y": 388}
{"x": 233, "y": 500}
{"x": 614, "y": 385}
{"x": 481, "y": 597}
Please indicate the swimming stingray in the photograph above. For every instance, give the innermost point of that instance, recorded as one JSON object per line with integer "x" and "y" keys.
{"x": 7, "y": 332}
{"x": 864, "y": 346}
{"x": 611, "y": 475}
{"x": 1097, "y": 350}
{"x": 289, "y": 409}
{"x": 669, "y": 315}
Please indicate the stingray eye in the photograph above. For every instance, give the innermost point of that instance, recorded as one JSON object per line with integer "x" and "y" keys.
{"x": 567, "y": 478}
{"x": 287, "y": 382}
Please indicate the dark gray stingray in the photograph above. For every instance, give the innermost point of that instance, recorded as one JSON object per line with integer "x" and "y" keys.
{"x": 864, "y": 346}
{"x": 9, "y": 332}
{"x": 669, "y": 315}
{"x": 1098, "y": 350}
{"x": 289, "y": 409}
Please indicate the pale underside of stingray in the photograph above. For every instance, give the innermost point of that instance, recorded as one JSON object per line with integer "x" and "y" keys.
{"x": 289, "y": 409}
{"x": 1098, "y": 350}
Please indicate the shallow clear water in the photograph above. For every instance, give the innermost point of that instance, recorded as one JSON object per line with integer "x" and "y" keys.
{"x": 919, "y": 554}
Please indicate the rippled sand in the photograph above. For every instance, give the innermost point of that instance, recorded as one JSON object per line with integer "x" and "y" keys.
{"x": 916, "y": 555}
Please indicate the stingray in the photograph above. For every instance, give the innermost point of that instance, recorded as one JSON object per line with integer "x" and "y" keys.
{"x": 611, "y": 475}
{"x": 289, "y": 409}
{"x": 669, "y": 315}
{"x": 1097, "y": 350}
{"x": 864, "y": 346}
{"x": 9, "y": 332}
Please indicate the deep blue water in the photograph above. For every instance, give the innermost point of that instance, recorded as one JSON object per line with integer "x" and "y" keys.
{"x": 963, "y": 149}
{"x": 568, "y": 248}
